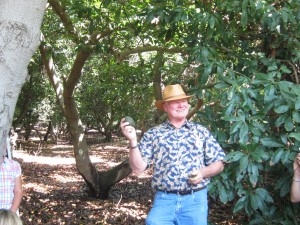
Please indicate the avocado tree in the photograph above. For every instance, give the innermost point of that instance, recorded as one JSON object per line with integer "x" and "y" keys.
{"x": 31, "y": 105}
{"x": 91, "y": 31}
{"x": 111, "y": 92}
{"x": 19, "y": 37}
{"x": 246, "y": 54}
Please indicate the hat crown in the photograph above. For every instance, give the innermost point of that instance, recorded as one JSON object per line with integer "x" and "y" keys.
{"x": 173, "y": 91}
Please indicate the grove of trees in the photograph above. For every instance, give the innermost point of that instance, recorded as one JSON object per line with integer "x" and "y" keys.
{"x": 101, "y": 60}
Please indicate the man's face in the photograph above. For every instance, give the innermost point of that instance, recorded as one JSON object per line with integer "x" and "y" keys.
{"x": 177, "y": 109}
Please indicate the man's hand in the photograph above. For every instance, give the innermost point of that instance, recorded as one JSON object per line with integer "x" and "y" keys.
{"x": 128, "y": 131}
{"x": 195, "y": 177}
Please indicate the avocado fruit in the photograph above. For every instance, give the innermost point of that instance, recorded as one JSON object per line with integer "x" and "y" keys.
{"x": 130, "y": 121}
{"x": 193, "y": 175}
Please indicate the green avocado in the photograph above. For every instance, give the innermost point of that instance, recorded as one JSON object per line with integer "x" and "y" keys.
{"x": 193, "y": 175}
{"x": 130, "y": 121}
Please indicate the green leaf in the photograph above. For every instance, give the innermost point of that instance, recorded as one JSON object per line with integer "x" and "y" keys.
{"x": 254, "y": 199}
{"x": 244, "y": 163}
{"x": 259, "y": 155}
{"x": 244, "y": 19}
{"x": 212, "y": 22}
{"x": 222, "y": 194}
{"x": 231, "y": 118}
{"x": 221, "y": 85}
{"x": 285, "y": 158}
{"x": 281, "y": 119}
{"x": 270, "y": 94}
{"x": 295, "y": 135}
{"x": 204, "y": 53}
{"x": 284, "y": 15}
{"x": 248, "y": 208}
{"x": 240, "y": 204}
{"x": 281, "y": 109}
{"x": 283, "y": 184}
{"x": 254, "y": 130}
{"x": 230, "y": 93}
{"x": 272, "y": 67}
{"x": 234, "y": 156}
{"x": 264, "y": 194}
{"x": 296, "y": 116}
{"x": 257, "y": 220}
{"x": 252, "y": 93}
{"x": 271, "y": 143}
{"x": 220, "y": 69}
{"x": 206, "y": 73}
{"x": 284, "y": 138}
{"x": 236, "y": 127}
{"x": 288, "y": 124}
{"x": 253, "y": 173}
{"x": 297, "y": 104}
{"x": 284, "y": 69}
{"x": 117, "y": 14}
{"x": 277, "y": 156}
{"x": 295, "y": 89}
{"x": 244, "y": 133}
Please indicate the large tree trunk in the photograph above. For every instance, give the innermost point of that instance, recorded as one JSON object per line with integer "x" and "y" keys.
{"x": 20, "y": 23}
{"x": 99, "y": 183}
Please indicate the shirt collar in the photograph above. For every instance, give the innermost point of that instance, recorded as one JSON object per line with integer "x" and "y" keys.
{"x": 170, "y": 125}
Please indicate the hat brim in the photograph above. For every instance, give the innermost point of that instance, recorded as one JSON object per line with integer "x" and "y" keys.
{"x": 159, "y": 103}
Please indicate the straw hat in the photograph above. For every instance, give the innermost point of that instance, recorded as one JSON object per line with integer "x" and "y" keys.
{"x": 171, "y": 93}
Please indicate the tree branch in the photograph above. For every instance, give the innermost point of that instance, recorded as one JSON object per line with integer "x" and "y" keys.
{"x": 75, "y": 73}
{"x": 51, "y": 73}
{"x": 294, "y": 69}
{"x": 195, "y": 109}
{"x": 60, "y": 11}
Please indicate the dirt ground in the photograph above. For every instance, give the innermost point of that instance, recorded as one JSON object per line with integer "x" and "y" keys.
{"x": 54, "y": 192}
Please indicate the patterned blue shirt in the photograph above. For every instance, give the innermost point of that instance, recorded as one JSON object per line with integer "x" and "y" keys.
{"x": 176, "y": 152}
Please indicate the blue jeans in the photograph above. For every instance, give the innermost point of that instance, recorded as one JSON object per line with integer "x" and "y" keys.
{"x": 173, "y": 209}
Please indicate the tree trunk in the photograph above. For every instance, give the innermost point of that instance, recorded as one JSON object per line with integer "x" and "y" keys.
{"x": 28, "y": 129}
{"x": 20, "y": 23}
{"x": 99, "y": 183}
{"x": 49, "y": 130}
{"x": 157, "y": 82}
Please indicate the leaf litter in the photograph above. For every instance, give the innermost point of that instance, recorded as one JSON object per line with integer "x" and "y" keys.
{"x": 55, "y": 193}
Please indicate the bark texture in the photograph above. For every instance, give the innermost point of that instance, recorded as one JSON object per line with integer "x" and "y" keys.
{"x": 20, "y": 23}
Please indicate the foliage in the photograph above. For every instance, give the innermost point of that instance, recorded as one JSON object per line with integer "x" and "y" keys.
{"x": 36, "y": 102}
{"x": 111, "y": 91}
{"x": 32, "y": 94}
{"x": 253, "y": 109}
{"x": 248, "y": 64}
{"x": 246, "y": 60}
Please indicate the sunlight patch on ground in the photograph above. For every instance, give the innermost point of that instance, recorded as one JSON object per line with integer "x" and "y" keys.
{"x": 45, "y": 189}
{"x": 43, "y": 159}
{"x": 61, "y": 147}
{"x": 111, "y": 147}
{"x": 65, "y": 179}
{"x": 55, "y": 160}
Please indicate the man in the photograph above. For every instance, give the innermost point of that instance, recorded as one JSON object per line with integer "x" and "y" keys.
{"x": 184, "y": 156}
{"x": 10, "y": 185}
{"x": 295, "y": 189}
